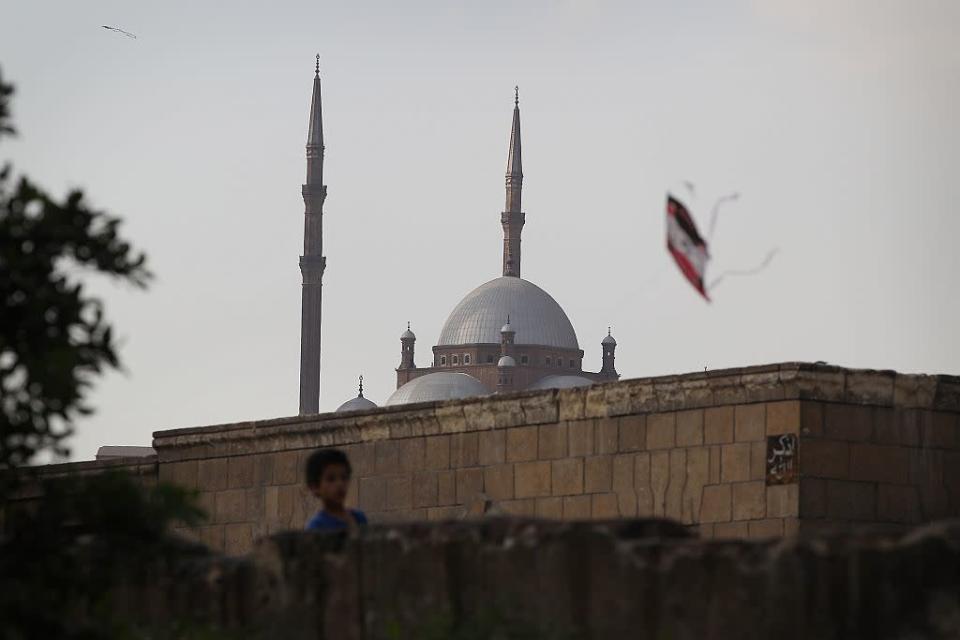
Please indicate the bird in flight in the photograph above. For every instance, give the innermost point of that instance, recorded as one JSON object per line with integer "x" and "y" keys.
{"x": 126, "y": 33}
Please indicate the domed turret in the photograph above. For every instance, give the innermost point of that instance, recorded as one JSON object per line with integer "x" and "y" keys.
{"x": 609, "y": 344}
{"x": 506, "y": 361}
{"x": 407, "y": 342}
{"x": 357, "y": 404}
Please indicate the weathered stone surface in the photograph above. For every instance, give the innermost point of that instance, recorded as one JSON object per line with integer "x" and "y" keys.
{"x": 598, "y": 474}
{"x": 522, "y": 444}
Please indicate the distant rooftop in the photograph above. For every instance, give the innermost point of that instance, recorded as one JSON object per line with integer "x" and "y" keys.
{"x": 117, "y": 452}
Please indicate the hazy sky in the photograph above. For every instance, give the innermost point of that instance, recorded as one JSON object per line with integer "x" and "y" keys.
{"x": 837, "y": 121}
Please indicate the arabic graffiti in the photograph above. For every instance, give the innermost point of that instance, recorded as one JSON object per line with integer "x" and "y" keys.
{"x": 782, "y": 459}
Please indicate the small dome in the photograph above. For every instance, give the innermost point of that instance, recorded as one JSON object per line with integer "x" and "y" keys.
{"x": 437, "y": 386}
{"x": 408, "y": 335}
{"x": 609, "y": 340}
{"x": 506, "y": 361}
{"x": 507, "y": 328}
{"x": 561, "y": 382}
{"x": 357, "y": 404}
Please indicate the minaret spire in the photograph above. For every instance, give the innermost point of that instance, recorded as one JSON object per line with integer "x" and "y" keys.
{"x": 512, "y": 218}
{"x": 312, "y": 262}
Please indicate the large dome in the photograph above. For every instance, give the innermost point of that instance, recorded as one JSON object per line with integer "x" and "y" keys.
{"x": 437, "y": 386}
{"x": 536, "y": 318}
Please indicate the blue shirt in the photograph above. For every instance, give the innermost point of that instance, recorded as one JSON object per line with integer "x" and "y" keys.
{"x": 323, "y": 521}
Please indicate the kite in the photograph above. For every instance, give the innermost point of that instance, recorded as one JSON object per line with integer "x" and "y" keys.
{"x": 688, "y": 248}
{"x": 126, "y": 33}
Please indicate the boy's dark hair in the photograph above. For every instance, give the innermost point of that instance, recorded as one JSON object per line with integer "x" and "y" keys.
{"x": 321, "y": 459}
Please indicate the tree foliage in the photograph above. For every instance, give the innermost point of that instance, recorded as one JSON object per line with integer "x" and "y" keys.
{"x": 54, "y": 338}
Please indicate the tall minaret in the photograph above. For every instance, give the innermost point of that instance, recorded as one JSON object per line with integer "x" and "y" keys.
{"x": 312, "y": 262}
{"x": 512, "y": 217}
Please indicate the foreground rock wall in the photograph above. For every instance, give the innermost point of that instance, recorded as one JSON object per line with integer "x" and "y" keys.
{"x": 755, "y": 452}
{"x": 535, "y": 579}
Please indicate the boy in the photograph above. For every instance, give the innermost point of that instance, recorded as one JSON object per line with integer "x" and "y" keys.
{"x": 328, "y": 477}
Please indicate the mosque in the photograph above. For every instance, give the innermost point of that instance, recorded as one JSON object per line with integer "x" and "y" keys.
{"x": 508, "y": 334}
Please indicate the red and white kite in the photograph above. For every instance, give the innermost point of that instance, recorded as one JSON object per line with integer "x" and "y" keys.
{"x": 685, "y": 244}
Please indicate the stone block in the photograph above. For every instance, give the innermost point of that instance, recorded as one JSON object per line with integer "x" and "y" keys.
{"x": 848, "y": 422}
{"x": 758, "y": 460}
{"x": 363, "y": 459}
{"x": 813, "y": 497}
{"x": 783, "y": 417}
{"x": 783, "y": 500}
{"x": 749, "y": 500}
{"x": 469, "y": 484}
{"x": 498, "y": 482}
{"x": 886, "y": 426}
{"x": 446, "y": 488}
{"x": 526, "y": 508}
{"x": 898, "y": 504}
{"x": 698, "y": 476}
{"x": 938, "y": 430}
{"x": 552, "y": 443}
{"x": 622, "y": 473}
{"x": 715, "y": 506}
{"x": 607, "y": 435}
{"x": 183, "y": 474}
{"x": 425, "y": 489}
{"x": 451, "y": 418}
{"x": 851, "y": 500}
{"x": 411, "y": 454}
{"x": 254, "y": 504}
{"x": 750, "y": 422}
{"x": 661, "y": 431}
{"x": 399, "y": 492}
{"x": 287, "y": 497}
{"x": 715, "y": 460}
{"x": 811, "y": 418}
{"x": 926, "y": 467}
{"x": 673, "y": 497}
{"x": 540, "y": 409}
{"x": 436, "y": 514}
{"x": 718, "y": 425}
{"x": 690, "y": 428}
{"x": 373, "y": 494}
{"x": 567, "y": 476}
{"x": 240, "y": 472}
{"x": 730, "y": 530}
{"x": 532, "y": 479}
{"x": 577, "y": 507}
{"x": 550, "y": 508}
{"x": 436, "y": 452}
{"x": 493, "y": 447}
{"x": 604, "y": 506}
{"x": 825, "y": 459}
{"x": 909, "y": 423}
{"x": 870, "y": 387}
{"x": 879, "y": 463}
{"x": 522, "y": 444}
{"x": 765, "y": 529}
{"x": 212, "y": 474}
{"x": 735, "y": 462}
{"x": 659, "y": 479}
{"x": 632, "y": 433}
{"x": 387, "y": 456}
{"x": 581, "y": 436}
{"x": 230, "y": 506}
{"x": 213, "y": 537}
{"x": 598, "y": 474}
{"x": 791, "y": 527}
{"x": 464, "y": 450}
{"x": 238, "y": 539}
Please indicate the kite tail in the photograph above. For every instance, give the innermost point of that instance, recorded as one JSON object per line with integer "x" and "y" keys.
{"x": 745, "y": 272}
{"x": 716, "y": 209}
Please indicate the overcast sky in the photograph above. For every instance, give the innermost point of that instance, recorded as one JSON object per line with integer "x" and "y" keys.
{"x": 836, "y": 121}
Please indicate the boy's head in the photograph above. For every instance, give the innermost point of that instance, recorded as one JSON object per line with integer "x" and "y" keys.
{"x": 328, "y": 476}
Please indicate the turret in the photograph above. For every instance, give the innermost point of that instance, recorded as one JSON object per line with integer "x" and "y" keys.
{"x": 407, "y": 341}
{"x": 512, "y": 218}
{"x": 609, "y": 345}
{"x": 507, "y": 335}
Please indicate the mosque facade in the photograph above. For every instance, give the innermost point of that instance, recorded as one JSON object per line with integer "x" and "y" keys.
{"x": 506, "y": 335}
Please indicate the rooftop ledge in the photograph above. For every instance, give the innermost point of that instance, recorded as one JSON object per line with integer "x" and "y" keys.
{"x": 765, "y": 383}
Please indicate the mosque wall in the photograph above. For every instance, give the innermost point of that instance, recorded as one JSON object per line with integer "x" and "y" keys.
{"x": 754, "y": 452}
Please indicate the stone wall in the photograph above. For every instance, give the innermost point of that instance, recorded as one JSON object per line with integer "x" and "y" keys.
{"x": 864, "y": 446}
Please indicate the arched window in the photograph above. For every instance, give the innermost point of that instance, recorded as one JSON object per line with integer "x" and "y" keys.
{"x": 455, "y": 360}
{"x": 573, "y": 364}
{"x": 524, "y": 360}
{"x": 443, "y": 361}
{"x": 489, "y": 358}
{"x": 548, "y": 361}
{"x": 466, "y": 358}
